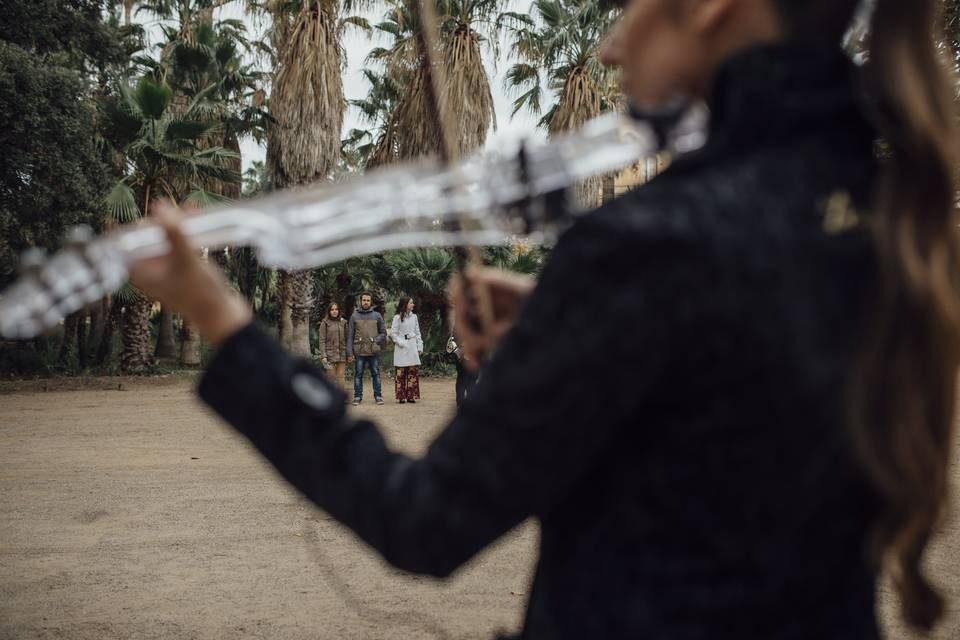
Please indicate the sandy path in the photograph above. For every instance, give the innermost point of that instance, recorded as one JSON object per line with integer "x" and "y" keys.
{"x": 135, "y": 513}
{"x": 128, "y": 511}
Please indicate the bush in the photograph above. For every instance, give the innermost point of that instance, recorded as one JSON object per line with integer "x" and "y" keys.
{"x": 21, "y": 359}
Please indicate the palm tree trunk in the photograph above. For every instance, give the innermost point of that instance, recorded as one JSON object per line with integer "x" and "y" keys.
{"x": 135, "y": 354}
{"x": 111, "y": 321}
{"x": 189, "y": 346}
{"x": 246, "y": 263}
{"x": 609, "y": 187}
{"x": 166, "y": 348}
{"x": 82, "y": 341}
{"x": 231, "y": 142}
{"x": 98, "y": 316}
{"x": 69, "y": 339}
{"x": 284, "y": 323}
{"x": 301, "y": 302}
{"x": 264, "y": 298}
{"x": 136, "y": 346}
{"x": 588, "y": 193}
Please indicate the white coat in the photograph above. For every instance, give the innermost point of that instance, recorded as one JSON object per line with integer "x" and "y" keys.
{"x": 407, "y": 342}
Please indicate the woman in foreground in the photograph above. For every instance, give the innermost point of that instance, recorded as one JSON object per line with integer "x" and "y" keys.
{"x": 775, "y": 434}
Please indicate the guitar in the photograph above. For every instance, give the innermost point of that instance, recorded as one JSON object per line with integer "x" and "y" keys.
{"x": 496, "y": 198}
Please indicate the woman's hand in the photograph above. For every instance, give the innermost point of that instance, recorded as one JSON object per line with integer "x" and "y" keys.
{"x": 182, "y": 281}
{"x": 506, "y": 292}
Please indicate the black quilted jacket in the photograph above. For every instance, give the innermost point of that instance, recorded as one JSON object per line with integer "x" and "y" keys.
{"x": 690, "y": 468}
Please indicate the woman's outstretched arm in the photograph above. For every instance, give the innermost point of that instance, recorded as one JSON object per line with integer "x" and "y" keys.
{"x": 530, "y": 432}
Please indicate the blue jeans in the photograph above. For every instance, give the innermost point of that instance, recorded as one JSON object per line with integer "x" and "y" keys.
{"x": 373, "y": 362}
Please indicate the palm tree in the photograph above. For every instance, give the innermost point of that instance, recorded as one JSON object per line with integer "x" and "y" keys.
{"x": 201, "y": 57}
{"x": 164, "y": 156}
{"x": 304, "y": 146}
{"x": 399, "y": 101}
{"x": 376, "y": 146}
{"x": 560, "y": 44}
{"x": 464, "y": 26}
{"x": 423, "y": 274}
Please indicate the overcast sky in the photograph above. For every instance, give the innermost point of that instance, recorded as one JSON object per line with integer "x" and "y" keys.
{"x": 358, "y": 44}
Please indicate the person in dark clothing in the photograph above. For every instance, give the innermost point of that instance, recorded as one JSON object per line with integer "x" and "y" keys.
{"x": 465, "y": 377}
{"x": 773, "y": 430}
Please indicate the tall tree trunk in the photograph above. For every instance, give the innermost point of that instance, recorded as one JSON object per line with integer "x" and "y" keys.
{"x": 82, "y": 343}
{"x": 301, "y": 302}
{"x": 69, "y": 340}
{"x": 112, "y": 320}
{"x": 98, "y": 316}
{"x": 136, "y": 334}
{"x": 264, "y": 299}
{"x": 231, "y": 142}
{"x": 189, "y": 345}
{"x": 137, "y": 350}
{"x": 166, "y": 347}
{"x": 246, "y": 266}
{"x": 284, "y": 323}
{"x": 609, "y": 187}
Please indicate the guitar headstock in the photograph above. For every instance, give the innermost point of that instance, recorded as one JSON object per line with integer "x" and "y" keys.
{"x": 51, "y": 287}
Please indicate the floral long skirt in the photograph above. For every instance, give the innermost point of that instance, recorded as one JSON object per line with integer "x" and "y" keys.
{"x": 406, "y": 383}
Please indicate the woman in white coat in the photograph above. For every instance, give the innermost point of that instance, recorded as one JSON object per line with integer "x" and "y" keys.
{"x": 407, "y": 347}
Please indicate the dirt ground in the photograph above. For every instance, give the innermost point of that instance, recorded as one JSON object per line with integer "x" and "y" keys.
{"x": 128, "y": 511}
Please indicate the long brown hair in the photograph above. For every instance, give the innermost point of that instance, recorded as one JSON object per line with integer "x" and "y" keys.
{"x": 402, "y": 307}
{"x": 330, "y": 306}
{"x": 903, "y": 388}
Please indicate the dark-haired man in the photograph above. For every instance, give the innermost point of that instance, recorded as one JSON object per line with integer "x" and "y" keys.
{"x": 365, "y": 336}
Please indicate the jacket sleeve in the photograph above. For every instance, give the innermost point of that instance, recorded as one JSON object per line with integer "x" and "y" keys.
{"x": 395, "y": 332}
{"x": 416, "y": 325}
{"x": 530, "y": 433}
{"x": 350, "y": 329}
{"x": 323, "y": 340}
{"x": 381, "y": 330}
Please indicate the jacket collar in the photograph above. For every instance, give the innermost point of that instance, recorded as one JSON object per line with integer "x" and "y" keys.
{"x": 773, "y": 93}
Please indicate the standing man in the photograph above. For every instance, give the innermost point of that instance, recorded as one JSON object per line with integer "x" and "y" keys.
{"x": 365, "y": 336}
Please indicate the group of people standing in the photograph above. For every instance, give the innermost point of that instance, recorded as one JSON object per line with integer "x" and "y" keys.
{"x": 362, "y": 338}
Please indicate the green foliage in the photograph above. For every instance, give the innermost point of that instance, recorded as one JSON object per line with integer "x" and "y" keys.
{"x": 51, "y": 173}
{"x": 423, "y": 273}
{"x": 256, "y": 179}
{"x": 559, "y": 41}
{"x": 163, "y": 145}
{"x": 24, "y": 360}
{"x": 73, "y": 29}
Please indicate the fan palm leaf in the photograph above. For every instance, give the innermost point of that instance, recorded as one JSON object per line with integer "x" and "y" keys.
{"x": 307, "y": 99}
{"x": 558, "y": 46}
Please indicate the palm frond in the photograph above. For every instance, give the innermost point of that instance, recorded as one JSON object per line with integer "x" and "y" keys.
{"x": 201, "y": 199}
{"x": 152, "y": 97}
{"x": 121, "y": 203}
